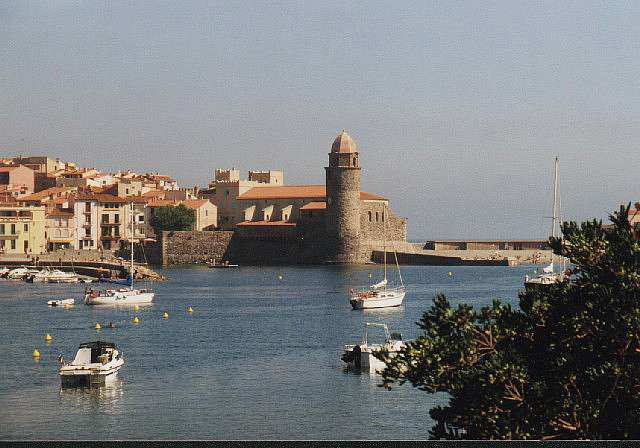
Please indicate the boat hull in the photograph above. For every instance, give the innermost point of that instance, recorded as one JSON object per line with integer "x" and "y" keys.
{"x": 88, "y": 378}
{"x": 385, "y": 300}
{"x": 121, "y": 298}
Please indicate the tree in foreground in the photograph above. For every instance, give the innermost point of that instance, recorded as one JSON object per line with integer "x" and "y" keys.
{"x": 565, "y": 365}
{"x": 173, "y": 218}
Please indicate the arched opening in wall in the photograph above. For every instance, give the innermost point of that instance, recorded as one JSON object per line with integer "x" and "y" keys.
{"x": 382, "y": 216}
{"x": 377, "y": 217}
{"x": 355, "y": 161}
{"x": 369, "y": 215}
{"x": 286, "y": 217}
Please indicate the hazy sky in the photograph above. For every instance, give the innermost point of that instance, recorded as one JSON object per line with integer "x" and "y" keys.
{"x": 457, "y": 108}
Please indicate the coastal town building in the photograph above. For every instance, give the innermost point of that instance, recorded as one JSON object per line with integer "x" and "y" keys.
{"x": 60, "y": 230}
{"x": 22, "y": 229}
{"x": 224, "y": 190}
{"x": 18, "y": 176}
{"x": 205, "y": 213}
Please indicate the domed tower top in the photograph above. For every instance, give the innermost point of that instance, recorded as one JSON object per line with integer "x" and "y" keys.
{"x": 343, "y": 143}
{"x": 344, "y": 152}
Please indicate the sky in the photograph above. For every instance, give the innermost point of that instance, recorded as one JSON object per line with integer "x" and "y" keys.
{"x": 458, "y": 108}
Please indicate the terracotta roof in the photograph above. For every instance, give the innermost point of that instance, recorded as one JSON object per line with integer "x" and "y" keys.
{"x": 162, "y": 203}
{"x": 58, "y": 213}
{"x": 153, "y": 193}
{"x": 6, "y": 169}
{"x": 40, "y": 195}
{"x": 297, "y": 192}
{"x": 98, "y": 197}
{"x": 343, "y": 143}
{"x": 285, "y": 192}
{"x": 195, "y": 203}
{"x": 314, "y": 206}
{"x": 266, "y": 223}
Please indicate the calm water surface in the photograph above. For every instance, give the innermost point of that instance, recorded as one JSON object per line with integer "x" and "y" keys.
{"x": 259, "y": 358}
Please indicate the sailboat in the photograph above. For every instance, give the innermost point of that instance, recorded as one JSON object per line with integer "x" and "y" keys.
{"x": 379, "y": 295}
{"x": 549, "y": 276}
{"x": 123, "y": 295}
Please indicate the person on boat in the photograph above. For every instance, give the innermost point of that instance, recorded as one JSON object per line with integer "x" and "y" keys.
{"x": 111, "y": 325}
{"x": 61, "y": 359}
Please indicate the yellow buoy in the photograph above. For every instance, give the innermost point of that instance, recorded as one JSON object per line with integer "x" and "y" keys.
{"x": 189, "y": 310}
{"x": 35, "y": 353}
{"x": 165, "y": 315}
{"x": 369, "y": 274}
{"x": 450, "y": 273}
{"x": 66, "y": 306}
{"x": 279, "y": 277}
{"x": 136, "y": 320}
{"x": 136, "y": 307}
{"x": 48, "y": 337}
{"x": 98, "y": 326}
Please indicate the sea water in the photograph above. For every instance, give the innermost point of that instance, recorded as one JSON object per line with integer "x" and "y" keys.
{"x": 258, "y": 358}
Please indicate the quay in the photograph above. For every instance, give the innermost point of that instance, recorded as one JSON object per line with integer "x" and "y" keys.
{"x": 502, "y": 254}
{"x": 113, "y": 269}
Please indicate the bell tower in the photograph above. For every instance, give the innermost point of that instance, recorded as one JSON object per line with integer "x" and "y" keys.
{"x": 343, "y": 200}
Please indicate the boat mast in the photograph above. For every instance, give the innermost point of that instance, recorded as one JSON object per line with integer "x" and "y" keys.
{"x": 132, "y": 244}
{"x": 384, "y": 246}
{"x": 555, "y": 199}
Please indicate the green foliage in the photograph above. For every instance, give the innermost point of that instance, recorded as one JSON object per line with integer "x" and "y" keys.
{"x": 564, "y": 365}
{"x": 173, "y": 218}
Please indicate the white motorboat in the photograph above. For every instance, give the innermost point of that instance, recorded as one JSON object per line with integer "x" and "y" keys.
{"x": 96, "y": 364}
{"x": 361, "y": 356}
{"x": 61, "y": 302}
{"x": 122, "y": 296}
{"x": 4, "y": 271}
{"x": 549, "y": 276}
{"x": 21, "y": 273}
{"x": 53, "y": 276}
{"x": 379, "y": 295}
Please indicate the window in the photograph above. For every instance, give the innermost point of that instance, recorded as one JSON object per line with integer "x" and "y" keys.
{"x": 87, "y": 206}
{"x": 116, "y": 218}
{"x": 377, "y": 217}
{"x": 13, "y": 230}
{"x": 1, "y": 229}
{"x": 369, "y": 215}
{"x": 206, "y": 213}
{"x": 382, "y": 216}
{"x": 13, "y": 244}
{"x": 87, "y": 232}
{"x": 140, "y": 218}
{"x": 105, "y": 219}
{"x": 354, "y": 161}
{"x": 117, "y": 231}
{"x": 26, "y": 227}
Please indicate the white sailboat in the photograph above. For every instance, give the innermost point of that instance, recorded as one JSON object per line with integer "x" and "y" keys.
{"x": 549, "y": 275}
{"x": 380, "y": 295}
{"x": 122, "y": 296}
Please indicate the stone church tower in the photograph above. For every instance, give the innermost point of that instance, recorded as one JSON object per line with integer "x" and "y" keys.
{"x": 343, "y": 201}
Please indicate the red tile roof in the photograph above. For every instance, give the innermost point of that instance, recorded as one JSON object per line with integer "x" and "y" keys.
{"x": 40, "y": 195}
{"x": 314, "y": 206}
{"x": 195, "y": 203}
{"x": 297, "y": 192}
{"x": 99, "y": 197}
{"x": 266, "y": 223}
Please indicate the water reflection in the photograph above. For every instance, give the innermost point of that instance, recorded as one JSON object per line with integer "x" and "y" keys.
{"x": 105, "y": 398}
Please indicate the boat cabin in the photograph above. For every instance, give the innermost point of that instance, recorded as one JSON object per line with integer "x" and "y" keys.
{"x": 94, "y": 352}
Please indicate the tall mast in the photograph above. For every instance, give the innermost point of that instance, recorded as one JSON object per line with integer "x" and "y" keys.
{"x": 555, "y": 199}
{"x": 384, "y": 239}
{"x": 132, "y": 244}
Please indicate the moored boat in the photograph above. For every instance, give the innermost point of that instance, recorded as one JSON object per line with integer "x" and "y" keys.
{"x": 95, "y": 364}
{"x": 53, "y": 276}
{"x": 60, "y": 302}
{"x": 21, "y": 273}
{"x": 361, "y": 356}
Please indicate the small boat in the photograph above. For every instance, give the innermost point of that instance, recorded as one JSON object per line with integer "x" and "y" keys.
{"x": 96, "y": 364}
{"x": 379, "y": 295}
{"x": 61, "y": 302}
{"x": 21, "y": 273}
{"x": 4, "y": 271}
{"x": 225, "y": 264}
{"x": 549, "y": 276}
{"x": 122, "y": 296}
{"x": 361, "y": 356}
{"x": 53, "y": 276}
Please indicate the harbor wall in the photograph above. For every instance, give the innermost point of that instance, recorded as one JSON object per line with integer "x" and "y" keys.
{"x": 189, "y": 246}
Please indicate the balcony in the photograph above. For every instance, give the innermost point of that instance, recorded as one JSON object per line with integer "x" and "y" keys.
{"x": 109, "y": 224}
{"x": 109, "y": 238}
